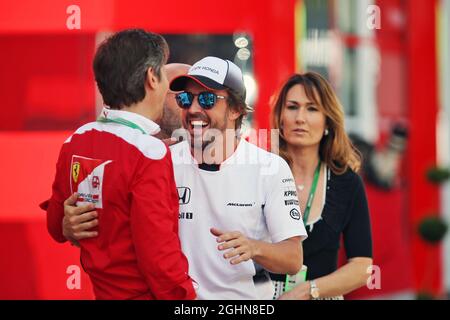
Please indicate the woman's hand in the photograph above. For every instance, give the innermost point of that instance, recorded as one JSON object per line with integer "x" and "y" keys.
{"x": 300, "y": 292}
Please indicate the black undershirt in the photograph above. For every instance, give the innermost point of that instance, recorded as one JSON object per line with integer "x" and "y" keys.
{"x": 209, "y": 167}
{"x": 345, "y": 215}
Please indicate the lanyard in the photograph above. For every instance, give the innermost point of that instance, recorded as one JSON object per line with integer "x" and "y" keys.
{"x": 311, "y": 194}
{"x": 121, "y": 121}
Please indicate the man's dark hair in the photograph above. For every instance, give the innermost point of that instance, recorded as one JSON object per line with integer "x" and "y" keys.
{"x": 121, "y": 64}
{"x": 237, "y": 102}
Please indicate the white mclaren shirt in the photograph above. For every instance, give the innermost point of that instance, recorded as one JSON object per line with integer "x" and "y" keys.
{"x": 254, "y": 193}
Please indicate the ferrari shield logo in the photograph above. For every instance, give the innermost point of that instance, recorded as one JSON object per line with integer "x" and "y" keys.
{"x": 75, "y": 171}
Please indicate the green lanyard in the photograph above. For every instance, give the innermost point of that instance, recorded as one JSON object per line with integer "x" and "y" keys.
{"x": 121, "y": 121}
{"x": 311, "y": 194}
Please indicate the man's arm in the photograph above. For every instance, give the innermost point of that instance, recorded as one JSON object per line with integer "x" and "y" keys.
{"x": 347, "y": 278}
{"x": 60, "y": 190}
{"x": 283, "y": 253}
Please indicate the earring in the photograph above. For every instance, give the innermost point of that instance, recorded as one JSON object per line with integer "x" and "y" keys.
{"x": 326, "y": 132}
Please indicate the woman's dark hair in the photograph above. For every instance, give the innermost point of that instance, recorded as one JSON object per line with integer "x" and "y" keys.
{"x": 121, "y": 64}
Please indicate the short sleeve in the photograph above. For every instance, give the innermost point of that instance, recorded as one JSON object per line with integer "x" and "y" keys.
{"x": 357, "y": 232}
{"x": 281, "y": 210}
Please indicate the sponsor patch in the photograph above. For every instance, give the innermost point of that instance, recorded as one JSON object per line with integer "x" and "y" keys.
{"x": 86, "y": 178}
{"x": 185, "y": 215}
{"x": 295, "y": 214}
{"x": 184, "y": 195}
{"x": 291, "y": 202}
{"x": 235, "y": 204}
{"x": 290, "y": 193}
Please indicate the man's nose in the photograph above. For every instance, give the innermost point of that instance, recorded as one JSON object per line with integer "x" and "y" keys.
{"x": 195, "y": 107}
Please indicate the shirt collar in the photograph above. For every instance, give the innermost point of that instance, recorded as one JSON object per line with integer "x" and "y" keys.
{"x": 149, "y": 126}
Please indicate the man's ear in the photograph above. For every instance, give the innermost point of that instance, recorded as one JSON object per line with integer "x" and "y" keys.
{"x": 152, "y": 80}
{"x": 233, "y": 114}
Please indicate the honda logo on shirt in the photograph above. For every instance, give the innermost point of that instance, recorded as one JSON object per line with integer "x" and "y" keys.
{"x": 184, "y": 195}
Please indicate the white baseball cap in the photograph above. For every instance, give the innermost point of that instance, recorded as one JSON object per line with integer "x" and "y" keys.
{"x": 214, "y": 74}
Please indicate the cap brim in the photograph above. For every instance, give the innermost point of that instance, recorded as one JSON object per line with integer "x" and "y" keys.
{"x": 179, "y": 83}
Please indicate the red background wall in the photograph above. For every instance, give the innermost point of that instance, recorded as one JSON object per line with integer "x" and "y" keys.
{"x": 46, "y": 82}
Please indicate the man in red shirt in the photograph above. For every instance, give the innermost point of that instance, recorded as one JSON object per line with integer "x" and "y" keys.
{"x": 126, "y": 174}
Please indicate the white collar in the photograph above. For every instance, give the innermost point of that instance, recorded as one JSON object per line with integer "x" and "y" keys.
{"x": 149, "y": 126}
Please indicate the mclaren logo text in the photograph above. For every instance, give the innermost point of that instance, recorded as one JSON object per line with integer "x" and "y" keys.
{"x": 234, "y": 204}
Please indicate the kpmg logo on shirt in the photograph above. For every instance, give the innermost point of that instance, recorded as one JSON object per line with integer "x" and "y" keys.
{"x": 290, "y": 193}
{"x": 295, "y": 214}
{"x": 184, "y": 195}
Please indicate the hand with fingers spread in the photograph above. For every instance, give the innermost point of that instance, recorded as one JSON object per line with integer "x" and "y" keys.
{"x": 78, "y": 221}
{"x": 241, "y": 248}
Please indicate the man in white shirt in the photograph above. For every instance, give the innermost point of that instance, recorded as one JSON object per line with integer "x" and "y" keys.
{"x": 230, "y": 189}
{"x": 238, "y": 206}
